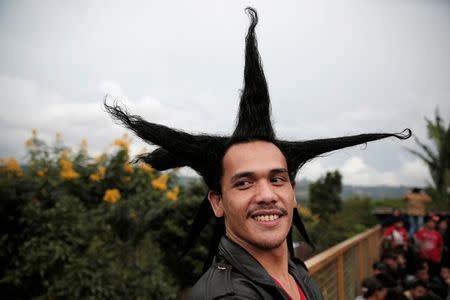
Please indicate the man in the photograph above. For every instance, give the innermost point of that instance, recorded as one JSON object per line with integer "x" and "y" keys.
{"x": 430, "y": 244}
{"x": 396, "y": 236}
{"x": 257, "y": 201}
{"x": 372, "y": 289}
{"x": 250, "y": 176}
{"x": 419, "y": 291}
{"x": 440, "y": 285}
{"x": 416, "y": 200}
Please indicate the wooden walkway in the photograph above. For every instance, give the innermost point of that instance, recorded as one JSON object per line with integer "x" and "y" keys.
{"x": 340, "y": 269}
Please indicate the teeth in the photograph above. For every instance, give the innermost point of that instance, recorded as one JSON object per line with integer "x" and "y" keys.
{"x": 266, "y": 218}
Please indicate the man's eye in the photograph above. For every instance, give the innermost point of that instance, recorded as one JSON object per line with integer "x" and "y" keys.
{"x": 242, "y": 184}
{"x": 278, "y": 179}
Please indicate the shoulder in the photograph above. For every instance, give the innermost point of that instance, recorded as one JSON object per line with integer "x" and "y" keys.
{"x": 307, "y": 283}
{"x": 420, "y": 232}
{"x": 389, "y": 230}
{"x": 221, "y": 281}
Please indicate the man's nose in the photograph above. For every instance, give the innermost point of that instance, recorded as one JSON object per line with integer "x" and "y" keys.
{"x": 265, "y": 192}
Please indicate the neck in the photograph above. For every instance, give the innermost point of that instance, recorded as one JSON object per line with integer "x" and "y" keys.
{"x": 274, "y": 261}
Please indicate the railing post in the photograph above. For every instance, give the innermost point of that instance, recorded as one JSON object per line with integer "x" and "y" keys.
{"x": 340, "y": 276}
{"x": 361, "y": 265}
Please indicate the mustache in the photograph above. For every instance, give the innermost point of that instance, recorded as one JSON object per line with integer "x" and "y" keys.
{"x": 267, "y": 207}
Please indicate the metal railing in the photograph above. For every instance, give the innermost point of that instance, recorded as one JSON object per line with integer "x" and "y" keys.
{"x": 340, "y": 269}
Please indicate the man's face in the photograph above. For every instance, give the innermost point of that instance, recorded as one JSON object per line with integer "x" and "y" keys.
{"x": 418, "y": 291}
{"x": 445, "y": 274}
{"x": 423, "y": 275}
{"x": 381, "y": 294}
{"x": 431, "y": 224}
{"x": 391, "y": 263}
{"x": 398, "y": 224}
{"x": 258, "y": 198}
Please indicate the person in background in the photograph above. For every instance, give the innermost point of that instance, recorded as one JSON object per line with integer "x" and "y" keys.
{"x": 440, "y": 285}
{"x": 389, "y": 259}
{"x": 418, "y": 290}
{"x": 395, "y": 236}
{"x": 420, "y": 273}
{"x": 430, "y": 244}
{"x": 372, "y": 289}
{"x": 444, "y": 230}
{"x": 395, "y": 214}
{"x": 416, "y": 200}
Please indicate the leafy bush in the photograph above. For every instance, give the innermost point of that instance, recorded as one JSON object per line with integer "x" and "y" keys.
{"x": 79, "y": 227}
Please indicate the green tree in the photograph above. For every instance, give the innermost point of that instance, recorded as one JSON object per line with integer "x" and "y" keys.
{"x": 75, "y": 227}
{"x": 437, "y": 157}
{"x": 354, "y": 217}
{"x": 324, "y": 195}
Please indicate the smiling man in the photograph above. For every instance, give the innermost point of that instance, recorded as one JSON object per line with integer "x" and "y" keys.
{"x": 250, "y": 176}
{"x": 257, "y": 202}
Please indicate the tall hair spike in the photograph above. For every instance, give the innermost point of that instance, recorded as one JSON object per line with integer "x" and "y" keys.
{"x": 254, "y": 108}
{"x": 298, "y": 153}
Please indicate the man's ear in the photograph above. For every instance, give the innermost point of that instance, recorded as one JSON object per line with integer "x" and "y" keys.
{"x": 295, "y": 194}
{"x": 216, "y": 202}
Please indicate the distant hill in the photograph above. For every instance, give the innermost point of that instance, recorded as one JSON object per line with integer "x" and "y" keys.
{"x": 348, "y": 191}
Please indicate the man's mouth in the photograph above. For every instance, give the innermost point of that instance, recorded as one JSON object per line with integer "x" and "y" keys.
{"x": 267, "y": 215}
{"x": 266, "y": 218}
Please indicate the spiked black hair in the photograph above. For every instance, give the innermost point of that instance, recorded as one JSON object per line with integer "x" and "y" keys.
{"x": 204, "y": 153}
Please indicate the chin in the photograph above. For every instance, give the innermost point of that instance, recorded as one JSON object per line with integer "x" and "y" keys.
{"x": 270, "y": 243}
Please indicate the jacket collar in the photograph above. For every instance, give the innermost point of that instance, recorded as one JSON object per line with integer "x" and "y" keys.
{"x": 248, "y": 266}
{"x": 244, "y": 262}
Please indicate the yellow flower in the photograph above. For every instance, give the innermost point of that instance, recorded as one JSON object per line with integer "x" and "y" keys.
{"x": 67, "y": 171}
{"x": 40, "y": 173}
{"x": 128, "y": 168}
{"x": 111, "y": 195}
{"x": 123, "y": 142}
{"x": 69, "y": 174}
{"x": 102, "y": 172}
{"x": 94, "y": 177}
{"x": 160, "y": 183}
{"x": 12, "y": 166}
{"x": 145, "y": 167}
{"x": 29, "y": 143}
{"x": 65, "y": 164}
{"x": 305, "y": 212}
{"x": 99, "y": 175}
{"x": 173, "y": 194}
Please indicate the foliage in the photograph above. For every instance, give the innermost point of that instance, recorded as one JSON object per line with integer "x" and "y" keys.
{"x": 391, "y": 203}
{"x": 335, "y": 220}
{"x": 354, "y": 217}
{"x": 437, "y": 157}
{"x": 82, "y": 228}
{"x": 324, "y": 195}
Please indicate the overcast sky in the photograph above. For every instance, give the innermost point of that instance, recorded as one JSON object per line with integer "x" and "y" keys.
{"x": 334, "y": 68}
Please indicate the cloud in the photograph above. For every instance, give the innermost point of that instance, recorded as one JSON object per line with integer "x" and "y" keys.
{"x": 28, "y": 105}
{"x": 356, "y": 171}
{"x": 111, "y": 88}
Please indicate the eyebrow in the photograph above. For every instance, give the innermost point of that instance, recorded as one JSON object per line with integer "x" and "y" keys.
{"x": 251, "y": 174}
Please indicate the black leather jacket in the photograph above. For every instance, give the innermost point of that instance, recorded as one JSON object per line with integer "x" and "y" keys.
{"x": 235, "y": 274}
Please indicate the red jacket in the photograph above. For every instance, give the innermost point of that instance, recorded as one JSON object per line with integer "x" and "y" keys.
{"x": 430, "y": 244}
{"x": 397, "y": 236}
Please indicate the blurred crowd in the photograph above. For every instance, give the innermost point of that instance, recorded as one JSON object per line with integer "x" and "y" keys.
{"x": 415, "y": 259}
